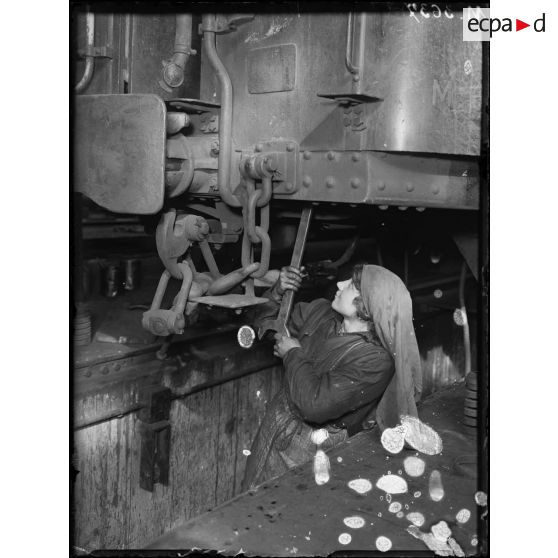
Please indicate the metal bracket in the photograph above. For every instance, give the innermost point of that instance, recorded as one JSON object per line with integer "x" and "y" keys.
{"x": 155, "y": 437}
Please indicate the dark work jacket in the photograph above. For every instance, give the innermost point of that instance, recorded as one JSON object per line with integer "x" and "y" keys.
{"x": 333, "y": 378}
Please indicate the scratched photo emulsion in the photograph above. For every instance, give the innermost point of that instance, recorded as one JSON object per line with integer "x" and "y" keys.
{"x": 279, "y": 219}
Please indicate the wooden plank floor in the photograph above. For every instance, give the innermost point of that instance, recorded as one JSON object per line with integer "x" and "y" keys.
{"x": 291, "y": 515}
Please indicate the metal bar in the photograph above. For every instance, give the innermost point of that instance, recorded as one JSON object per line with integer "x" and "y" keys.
{"x": 89, "y": 59}
{"x": 225, "y": 124}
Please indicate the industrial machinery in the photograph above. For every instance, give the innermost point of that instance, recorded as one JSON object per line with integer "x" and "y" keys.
{"x": 233, "y": 144}
{"x": 288, "y": 113}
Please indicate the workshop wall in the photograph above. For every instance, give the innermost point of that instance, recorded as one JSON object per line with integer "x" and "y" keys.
{"x": 209, "y": 431}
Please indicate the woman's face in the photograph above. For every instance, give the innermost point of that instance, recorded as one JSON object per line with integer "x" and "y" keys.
{"x": 344, "y": 299}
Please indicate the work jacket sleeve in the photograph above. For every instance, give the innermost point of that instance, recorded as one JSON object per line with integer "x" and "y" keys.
{"x": 354, "y": 382}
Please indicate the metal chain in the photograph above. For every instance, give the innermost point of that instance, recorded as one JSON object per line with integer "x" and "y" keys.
{"x": 254, "y": 234}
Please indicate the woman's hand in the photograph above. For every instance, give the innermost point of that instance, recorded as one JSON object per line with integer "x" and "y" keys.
{"x": 284, "y": 344}
{"x": 290, "y": 278}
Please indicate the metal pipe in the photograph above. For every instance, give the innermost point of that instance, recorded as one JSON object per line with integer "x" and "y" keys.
{"x": 225, "y": 123}
{"x": 173, "y": 71}
{"x": 89, "y": 57}
{"x": 353, "y": 69}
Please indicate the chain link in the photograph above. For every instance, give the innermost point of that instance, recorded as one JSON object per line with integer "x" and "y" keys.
{"x": 254, "y": 234}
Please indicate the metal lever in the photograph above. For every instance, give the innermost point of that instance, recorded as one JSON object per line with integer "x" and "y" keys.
{"x": 280, "y": 323}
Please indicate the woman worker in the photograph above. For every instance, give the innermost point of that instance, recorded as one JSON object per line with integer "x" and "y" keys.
{"x": 349, "y": 364}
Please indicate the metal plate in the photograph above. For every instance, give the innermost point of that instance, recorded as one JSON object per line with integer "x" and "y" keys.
{"x": 272, "y": 69}
{"x": 119, "y": 151}
{"x": 229, "y": 301}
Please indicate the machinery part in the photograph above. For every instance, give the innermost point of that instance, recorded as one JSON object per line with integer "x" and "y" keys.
{"x": 232, "y": 301}
{"x": 225, "y": 127}
{"x": 209, "y": 259}
{"x": 280, "y": 323}
{"x": 164, "y": 322}
{"x": 173, "y": 69}
{"x": 174, "y": 236}
{"x": 356, "y": 70}
{"x": 89, "y": 56}
{"x": 246, "y": 336}
{"x": 129, "y": 180}
{"x": 227, "y": 282}
{"x": 179, "y": 168}
{"x": 176, "y": 121}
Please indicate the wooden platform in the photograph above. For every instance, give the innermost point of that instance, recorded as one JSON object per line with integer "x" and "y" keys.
{"x": 291, "y": 515}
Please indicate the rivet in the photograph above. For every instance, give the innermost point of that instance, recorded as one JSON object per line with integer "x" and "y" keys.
{"x": 356, "y": 78}
{"x": 105, "y": 370}
{"x": 88, "y": 373}
{"x": 117, "y": 367}
{"x": 435, "y": 190}
{"x": 307, "y": 181}
{"x": 330, "y": 182}
{"x": 290, "y": 147}
{"x": 346, "y": 121}
{"x": 381, "y": 185}
{"x": 307, "y": 155}
{"x": 259, "y": 147}
{"x": 355, "y": 182}
{"x": 402, "y": 207}
{"x": 410, "y": 187}
{"x": 289, "y": 187}
{"x": 383, "y": 207}
{"x": 330, "y": 155}
{"x": 355, "y": 157}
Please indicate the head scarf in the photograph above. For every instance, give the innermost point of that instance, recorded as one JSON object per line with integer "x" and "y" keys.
{"x": 388, "y": 301}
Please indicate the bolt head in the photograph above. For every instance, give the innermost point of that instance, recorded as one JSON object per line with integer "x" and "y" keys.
{"x": 355, "y": 182}
{"x": 307, "y": 181}
{"x": 381, "y": 185}
{"x": 410, "y": 187}
{"x": 307, "y": 155}
{"x": 330, "y": 182}
{"x": 289, "y": 187}
{"x": 290, "y": 147}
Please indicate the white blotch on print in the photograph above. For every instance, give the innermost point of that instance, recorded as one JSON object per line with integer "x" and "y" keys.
{"x": 345, "y": 538}
{"x": 435, "y": 487}
{"x": 362, "y": 486}
{"x": 354, "y": 522}
{"x": 383, "y": 544}
{"x": 414, "y": 466}
{"x": 416, "y": 518}
{"x": 481, "y": 498}
{"x": 463, "y": 515}
{"x": 392, "y": 484}
{"x": 395, "y": 507}
{"x": 246, "y": 452}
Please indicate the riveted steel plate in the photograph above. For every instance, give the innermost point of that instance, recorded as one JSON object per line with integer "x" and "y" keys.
{"x": 119, "y": 147}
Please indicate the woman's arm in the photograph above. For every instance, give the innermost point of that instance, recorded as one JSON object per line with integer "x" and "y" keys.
{"x": 321, "y": 398}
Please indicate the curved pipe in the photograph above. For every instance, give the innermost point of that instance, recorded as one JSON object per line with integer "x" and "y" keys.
{"x": 89, "y": 58}
{"x": 173, "y": 72}
{"x": 225, "y": 124}
{"x": 353, "y": 69}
